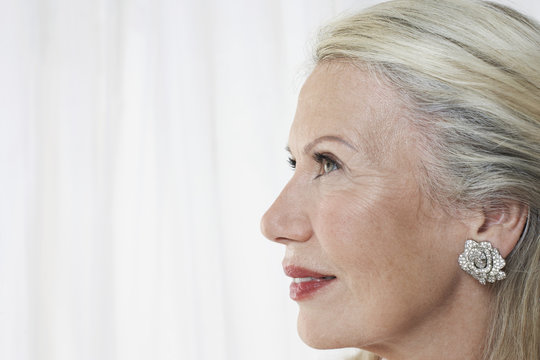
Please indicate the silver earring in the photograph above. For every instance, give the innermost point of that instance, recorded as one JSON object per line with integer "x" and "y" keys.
{"x": 482, "y": 261}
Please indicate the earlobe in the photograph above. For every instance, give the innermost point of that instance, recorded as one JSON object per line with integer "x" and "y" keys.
{"x": 502, "y": 226}
{"x": 496, "y": 232}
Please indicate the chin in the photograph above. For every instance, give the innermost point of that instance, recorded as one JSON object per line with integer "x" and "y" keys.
{"x": 320, "y": 334}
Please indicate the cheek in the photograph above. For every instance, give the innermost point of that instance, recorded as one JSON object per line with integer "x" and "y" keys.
{"x": 377, "y": 238}
{"x": 348, "y": 227}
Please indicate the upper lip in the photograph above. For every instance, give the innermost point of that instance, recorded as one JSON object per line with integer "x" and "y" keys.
{"x": 295, "y": 271}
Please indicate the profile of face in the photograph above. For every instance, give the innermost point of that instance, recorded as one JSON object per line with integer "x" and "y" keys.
{"x": 373, "y": 260}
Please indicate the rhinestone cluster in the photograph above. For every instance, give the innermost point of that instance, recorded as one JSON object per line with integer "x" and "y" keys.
{"x": 482, "y": 261}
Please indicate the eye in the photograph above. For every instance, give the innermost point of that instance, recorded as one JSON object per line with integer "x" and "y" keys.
{"x": 292, "y": 162}
{"x": 327, "y": 164}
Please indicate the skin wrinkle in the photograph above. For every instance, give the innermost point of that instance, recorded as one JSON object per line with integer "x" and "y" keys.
{"x": 383, "y": 134}
{"x": 308, "y": 147}
{"x": 391, "y": 249}
{"x": 452, "y": 96}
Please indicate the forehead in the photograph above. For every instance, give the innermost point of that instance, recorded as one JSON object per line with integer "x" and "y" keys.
{"x": 345, "y": 100}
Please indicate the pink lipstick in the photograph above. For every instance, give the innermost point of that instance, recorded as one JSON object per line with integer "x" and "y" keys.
{"x": 306, "y": 282}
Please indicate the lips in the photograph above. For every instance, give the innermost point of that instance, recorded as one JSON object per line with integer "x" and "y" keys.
{"x": 306, "y": 283}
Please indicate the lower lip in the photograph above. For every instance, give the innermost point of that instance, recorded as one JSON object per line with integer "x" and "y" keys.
{"x": 307, "y": 289}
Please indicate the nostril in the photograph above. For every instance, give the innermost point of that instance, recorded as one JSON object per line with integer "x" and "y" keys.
{"x": 287, "y": 219}
{"x": 270, "y": 227}
{"x": 285, "y": 226}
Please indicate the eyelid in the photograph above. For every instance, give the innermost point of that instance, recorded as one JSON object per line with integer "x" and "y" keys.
{"x": 320, "y": 157}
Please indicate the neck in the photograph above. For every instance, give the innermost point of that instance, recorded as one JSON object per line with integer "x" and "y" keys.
{"x": 455, "y": 330}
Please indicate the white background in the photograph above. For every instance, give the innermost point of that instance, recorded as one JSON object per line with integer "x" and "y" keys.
{"x": 140, "y": 143}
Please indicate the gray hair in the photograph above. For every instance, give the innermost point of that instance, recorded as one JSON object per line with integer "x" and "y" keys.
{"x": 469, "y": 74}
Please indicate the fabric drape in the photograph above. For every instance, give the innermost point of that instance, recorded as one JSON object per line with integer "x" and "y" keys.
{"x": 140, "y": 143}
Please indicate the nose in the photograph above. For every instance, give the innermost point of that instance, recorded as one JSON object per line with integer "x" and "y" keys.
{"x": 288, "y": 217}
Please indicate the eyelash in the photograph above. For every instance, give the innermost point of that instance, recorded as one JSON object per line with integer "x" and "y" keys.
{"x": 292, "y": 162}
{"x": 321, "y": 159}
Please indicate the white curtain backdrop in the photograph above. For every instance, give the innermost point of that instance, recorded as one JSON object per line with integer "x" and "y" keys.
{"x": 140, "y": 142}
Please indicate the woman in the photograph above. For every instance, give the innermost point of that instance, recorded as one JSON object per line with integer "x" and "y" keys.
{"x": 411, "y": 223}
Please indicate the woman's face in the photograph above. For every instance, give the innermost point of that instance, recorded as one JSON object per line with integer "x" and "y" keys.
{"x": 374, "y": 260}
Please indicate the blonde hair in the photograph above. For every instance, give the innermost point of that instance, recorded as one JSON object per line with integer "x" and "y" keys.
{"x": 469, "y": 72}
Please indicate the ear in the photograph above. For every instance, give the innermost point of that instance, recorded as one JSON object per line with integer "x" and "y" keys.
{"x": 501, "y": 226}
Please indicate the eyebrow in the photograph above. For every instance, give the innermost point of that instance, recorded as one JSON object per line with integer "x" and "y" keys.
{"x": 332, "y": 138}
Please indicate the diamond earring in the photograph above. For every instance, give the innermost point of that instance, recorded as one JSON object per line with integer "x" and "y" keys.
{"x": 482, "y": 261}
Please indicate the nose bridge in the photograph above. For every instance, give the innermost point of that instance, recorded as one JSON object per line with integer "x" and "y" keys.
{"x": 288, "y": 217}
